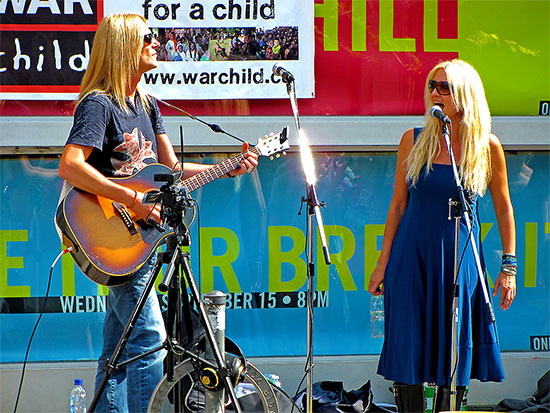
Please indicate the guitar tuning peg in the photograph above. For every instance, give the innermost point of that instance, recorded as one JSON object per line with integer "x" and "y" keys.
{"x": 278, "y": 155}
{"x": 284, "y": 153}
{"x": 271, "y": 158}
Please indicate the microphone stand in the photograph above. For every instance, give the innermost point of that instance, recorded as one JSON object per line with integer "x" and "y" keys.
{"x": 460, "y": 205}
{"x": 313, "y": 208}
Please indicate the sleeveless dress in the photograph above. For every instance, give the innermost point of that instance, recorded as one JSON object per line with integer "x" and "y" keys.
{"x": 418, "y": 292}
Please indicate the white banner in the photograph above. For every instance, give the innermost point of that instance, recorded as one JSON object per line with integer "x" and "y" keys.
{"x": 210, "y": 49}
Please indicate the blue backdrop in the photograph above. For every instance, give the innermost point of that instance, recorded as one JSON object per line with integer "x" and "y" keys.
{"x": 249, "y": 241}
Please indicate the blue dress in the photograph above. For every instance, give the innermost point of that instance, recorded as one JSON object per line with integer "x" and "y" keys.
{"x": 418, "y": 285}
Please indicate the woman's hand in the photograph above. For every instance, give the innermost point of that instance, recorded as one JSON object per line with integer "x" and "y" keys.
{"x": 376, "y": 279}
{"x": 249, "y": 163}
{"x": 145, "y": 211}
{"x": 507, "y": 284}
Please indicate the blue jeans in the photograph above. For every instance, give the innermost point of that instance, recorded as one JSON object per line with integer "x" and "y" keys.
{"x": 130, "y": 387}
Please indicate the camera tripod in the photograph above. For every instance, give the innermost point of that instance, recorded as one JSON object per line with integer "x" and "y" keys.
{"x": 186, "y": 372}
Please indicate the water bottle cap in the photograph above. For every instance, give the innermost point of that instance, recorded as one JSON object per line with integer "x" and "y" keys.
{"x": 78, "y": 382}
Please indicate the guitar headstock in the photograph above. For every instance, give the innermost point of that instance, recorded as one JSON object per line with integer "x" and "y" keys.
{"x": 273, "y": 144}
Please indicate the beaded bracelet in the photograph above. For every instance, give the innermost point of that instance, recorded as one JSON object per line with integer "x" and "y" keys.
{"x": 509, "y": 264}
{"x": 508, "y": 270}
{"x": 509, "y": 259}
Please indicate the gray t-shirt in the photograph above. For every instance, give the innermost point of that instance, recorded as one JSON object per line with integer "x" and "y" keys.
{"x": 123, "y": 142}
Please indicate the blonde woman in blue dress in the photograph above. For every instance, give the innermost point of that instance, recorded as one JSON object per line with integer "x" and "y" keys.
{"x": 415, "y": 271}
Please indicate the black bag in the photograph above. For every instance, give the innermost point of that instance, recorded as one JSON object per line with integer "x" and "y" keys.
{"x": 330, "y": 396}
{"x": 538, "y": 402}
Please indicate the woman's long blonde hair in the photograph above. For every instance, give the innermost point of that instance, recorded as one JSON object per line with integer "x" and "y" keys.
{"x": 115, "y": 58}
{"x": 468, "y": 96}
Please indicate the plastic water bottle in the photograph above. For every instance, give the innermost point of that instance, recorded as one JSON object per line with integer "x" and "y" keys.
{"x": 273, "y": 378}
{"x": 377, "y": 316}
{"x": 429, "y": 393}
{"x": 78, "y": 397}
{"x": 464, "y": 404}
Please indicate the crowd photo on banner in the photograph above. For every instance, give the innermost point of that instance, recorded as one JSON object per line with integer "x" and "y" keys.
{"x": 220, "y": 44}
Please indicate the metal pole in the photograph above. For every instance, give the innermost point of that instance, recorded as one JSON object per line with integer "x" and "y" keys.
{"x": 456, "y": 319}
{"x": 310, "y": 286}
{"x": 214, "y": 303}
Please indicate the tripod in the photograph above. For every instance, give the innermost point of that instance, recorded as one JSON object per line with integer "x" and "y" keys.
{"x": 175, "y": 204}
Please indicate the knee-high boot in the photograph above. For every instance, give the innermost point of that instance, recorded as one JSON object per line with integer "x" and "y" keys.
{"x": 442, "y": 398}
{"x": 409, "y": 398}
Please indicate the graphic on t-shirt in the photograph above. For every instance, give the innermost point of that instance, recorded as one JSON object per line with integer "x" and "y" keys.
{"x": 137, "y": 149}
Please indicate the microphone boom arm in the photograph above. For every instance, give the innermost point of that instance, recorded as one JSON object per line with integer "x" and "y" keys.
{"x": 212, "y": 126}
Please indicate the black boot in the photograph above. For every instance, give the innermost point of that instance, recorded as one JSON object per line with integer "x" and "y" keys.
{"x": 409, "y": 398}
{"x": 442, "y": 398}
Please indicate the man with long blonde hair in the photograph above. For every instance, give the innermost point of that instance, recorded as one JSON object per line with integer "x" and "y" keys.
{"x": 415, "y": 271}
{"x": 117, "y": 131}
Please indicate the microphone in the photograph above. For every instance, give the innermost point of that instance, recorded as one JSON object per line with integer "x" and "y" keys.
{"x": 436, "y": 112}
{"x": 285, "y": 74}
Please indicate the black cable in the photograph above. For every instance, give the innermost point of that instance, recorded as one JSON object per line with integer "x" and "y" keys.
{"x": 36, "y": 326}
{"x": 291, "y": 400}
{"x": 298, "y": 390}
{"x": 199, "y": 241}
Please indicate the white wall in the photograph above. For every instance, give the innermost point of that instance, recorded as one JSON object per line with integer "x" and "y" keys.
{"x": 47, "y": 385}
{"x": 49, "y": 133}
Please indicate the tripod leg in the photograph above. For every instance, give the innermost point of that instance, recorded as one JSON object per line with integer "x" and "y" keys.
{"x": 135, "y": 304}
{"x": 173, "y": 323}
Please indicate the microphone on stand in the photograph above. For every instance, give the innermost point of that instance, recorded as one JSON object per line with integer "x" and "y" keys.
{"x": 285, "y": 74}
{"x": 436, "y": 112}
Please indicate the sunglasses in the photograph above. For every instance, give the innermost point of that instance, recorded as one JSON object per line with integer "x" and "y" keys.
{"x": 148, "y": 38}
{"x": 443, "y": 88}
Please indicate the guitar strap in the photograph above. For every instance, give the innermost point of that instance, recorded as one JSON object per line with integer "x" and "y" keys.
{"x": 65, "y": 188}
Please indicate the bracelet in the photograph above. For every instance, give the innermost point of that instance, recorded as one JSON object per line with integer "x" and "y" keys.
{"x": 230, "y": 176}
{"x": 509, "y": 260}
{"x": 133, "y": 200}
{"x": 509, "y": 264}
{"x": 508, "y": 271}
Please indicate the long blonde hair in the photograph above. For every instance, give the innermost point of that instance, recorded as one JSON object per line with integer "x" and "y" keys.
{"x": 468, "y": 96}
{"x": 115, "y": 58}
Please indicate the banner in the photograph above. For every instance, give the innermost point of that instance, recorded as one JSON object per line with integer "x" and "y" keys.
{"x": 213, "y": 49}
{"x": 369, "y": 57}
{"x": 248, "y": 241}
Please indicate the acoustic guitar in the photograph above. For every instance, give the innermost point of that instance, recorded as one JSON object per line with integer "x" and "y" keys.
{"x": 109, "y": 244}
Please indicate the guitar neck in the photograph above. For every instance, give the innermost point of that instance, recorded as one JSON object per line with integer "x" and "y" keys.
{"x": 215, "y": 172}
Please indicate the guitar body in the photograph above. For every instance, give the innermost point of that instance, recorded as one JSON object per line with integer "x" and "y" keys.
{"x": 103, "y": 247}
